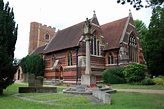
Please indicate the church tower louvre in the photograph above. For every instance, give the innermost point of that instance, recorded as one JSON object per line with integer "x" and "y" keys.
{"x": 39, "y": 35}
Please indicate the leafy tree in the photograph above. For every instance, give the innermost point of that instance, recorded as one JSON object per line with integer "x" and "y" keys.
{"x": 142, "y": 31}
{"x": 8, "y": 37}
{"x": 134, "y": 73}
{"x": 113, "y": 75}
{"x": 33, "y": 64}
{"x": 137, "y": 4}
{"x": 155, "y": 42}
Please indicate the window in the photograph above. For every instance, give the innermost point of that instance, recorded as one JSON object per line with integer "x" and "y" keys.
{"x": 95, "y": 45}
{"x": 133, "y": 53}
{"x": 47, "y": 36}
{"x": 69, "y": 59}
{"x": 110, "y": 59}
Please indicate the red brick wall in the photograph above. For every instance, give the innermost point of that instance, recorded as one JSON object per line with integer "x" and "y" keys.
{"x": 35, "y": 32}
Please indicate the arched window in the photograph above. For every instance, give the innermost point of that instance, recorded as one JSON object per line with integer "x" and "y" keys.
{"x": 69, "y": 59}
{"x": 110, "y": 59}
{"x": 133, "y": 53}
{"x": 47, "y": 36}
{"x": 95, "y": 45}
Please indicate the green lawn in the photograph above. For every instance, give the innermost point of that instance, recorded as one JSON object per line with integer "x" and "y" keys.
{"x": 128, "y": 86}
{"x": 120, "y": 100}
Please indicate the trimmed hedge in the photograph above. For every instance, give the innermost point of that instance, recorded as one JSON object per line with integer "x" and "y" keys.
{"x": 113, "y": 75}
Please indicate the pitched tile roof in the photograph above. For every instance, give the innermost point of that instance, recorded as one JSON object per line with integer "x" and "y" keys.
{"x": 113, "y": 32}
{"x": 66, "y": 38}
{"x": 38, "y": 50}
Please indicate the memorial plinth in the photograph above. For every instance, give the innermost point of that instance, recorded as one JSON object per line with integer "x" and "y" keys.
{"x": 88, "y": 79}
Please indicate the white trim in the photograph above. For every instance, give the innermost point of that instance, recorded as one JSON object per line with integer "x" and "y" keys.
{"x": 69, "y": 66}
{"x": 38, "y": 35}
{"x": 137, "y": 38}
{"x": 102, "y": 36}
{"x": 95, "y": 25}
{"x": 97, "y": 55}
{"x": 110, "y": 64}
{"x": 128, "y": 33}
{"x": 81, "y": 38}
{"x": 125, "y": 43}
{"x": 124, "y": 30}
{"x": 132, "y": 25}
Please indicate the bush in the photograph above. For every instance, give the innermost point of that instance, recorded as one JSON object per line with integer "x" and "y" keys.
{"x": 33, "y": 64}
{"x": 148, "y": 81}
{"x": 113, "y": 75}
{"x": 159, "y": 80}
{"x": 134, "y": 73}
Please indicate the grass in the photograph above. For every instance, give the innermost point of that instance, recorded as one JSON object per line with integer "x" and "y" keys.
{"x": 120, "y": 100}
{"x": 128, "y": 86}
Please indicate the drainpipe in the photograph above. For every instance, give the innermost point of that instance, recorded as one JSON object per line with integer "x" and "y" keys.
{"x": 117, "y": 51}
{"x": 77, "y": 65}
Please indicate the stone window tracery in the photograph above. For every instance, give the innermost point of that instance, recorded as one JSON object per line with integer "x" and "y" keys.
{"x": 95, "y": 45}
{"x": 110, "y": 59}
{"x": 133, "y": 53}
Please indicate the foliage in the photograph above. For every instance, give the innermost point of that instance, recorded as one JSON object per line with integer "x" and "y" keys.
{"x": 8, "y": 37}
{"x": 148, "y": 81}
{"x": 137, "y": 4}
{"x": 159, "y": 80}
{"x": 142, "y": 31}
{"x": 23, "y": 64}
{"x": 154, "y": 42}
{"x": 134, "y": 73}
{"x": 33, "y": 64}
{"x": 113, "y": 75}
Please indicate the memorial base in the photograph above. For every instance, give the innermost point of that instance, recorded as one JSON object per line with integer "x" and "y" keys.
{"x": 88, "y": 79}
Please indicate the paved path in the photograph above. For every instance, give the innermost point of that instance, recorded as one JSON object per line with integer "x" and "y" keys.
{"x": 124, "y": 90}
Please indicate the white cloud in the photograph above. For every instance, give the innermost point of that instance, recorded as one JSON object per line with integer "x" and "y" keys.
{"x": 64, "y": 13}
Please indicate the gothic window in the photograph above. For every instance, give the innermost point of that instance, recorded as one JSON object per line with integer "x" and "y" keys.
{"x": 95, "y": 45}
{"x": 69, "y": 59}
{"x": 110, "y": 59}
{"x": 133, "y": 54}
{"x": 47, "y": 36}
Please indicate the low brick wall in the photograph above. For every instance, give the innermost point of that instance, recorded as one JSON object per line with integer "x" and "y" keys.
{"x": 37, "y": 89}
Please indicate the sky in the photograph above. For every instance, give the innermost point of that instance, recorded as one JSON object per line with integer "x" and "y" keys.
{"x": 64, "y": 13}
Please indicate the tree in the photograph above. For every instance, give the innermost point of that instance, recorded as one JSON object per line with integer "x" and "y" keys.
{"x": 33, "y": 64}
{"x": 8, "y": 37}
{"x": 142, "y": 31}
{"x": 155, "y": 42}
{"x": 137, "y": 4}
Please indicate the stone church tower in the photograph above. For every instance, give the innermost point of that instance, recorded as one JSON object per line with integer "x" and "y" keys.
{"x": 39, "y": 35}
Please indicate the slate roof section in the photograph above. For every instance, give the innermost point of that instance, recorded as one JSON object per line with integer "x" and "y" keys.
{"x": 113, "y": 32}
{"x": 66, "y": 38}
{"x": 38, "y": 50}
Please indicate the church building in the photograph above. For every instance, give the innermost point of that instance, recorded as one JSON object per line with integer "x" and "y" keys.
{"x": 111, "y": 45}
